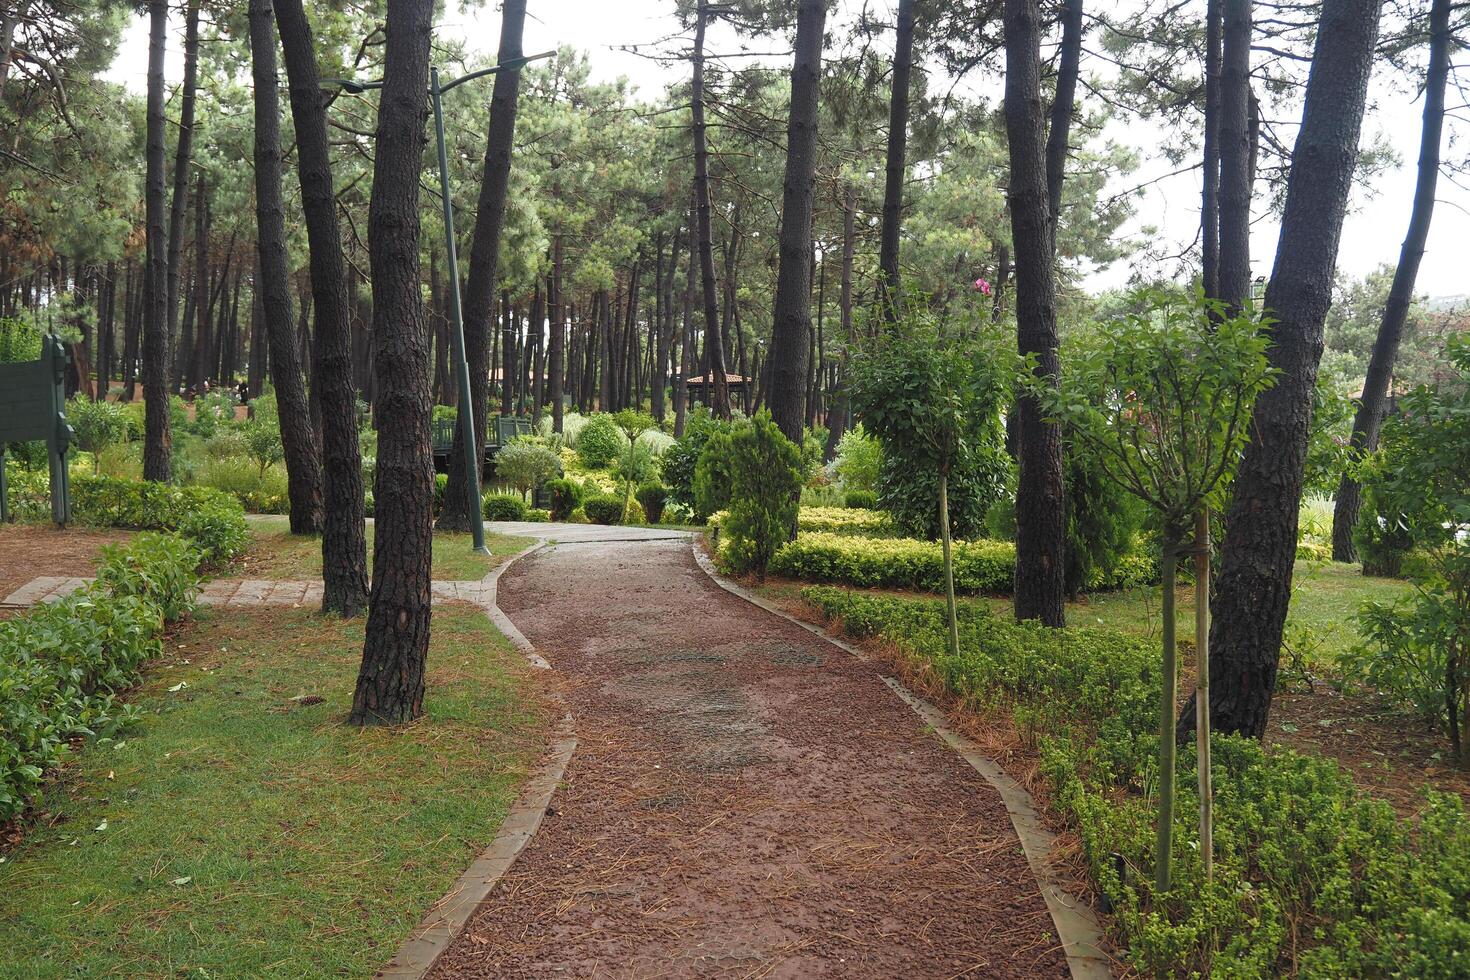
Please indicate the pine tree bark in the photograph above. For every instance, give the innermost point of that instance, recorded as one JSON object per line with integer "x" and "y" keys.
{"x": 719, "y": 388}
{"x": 344, "y": 549}
{"x": 480, "y": 284}
{"x": 273, "y": 287}
{"x": 1369, "y": 417}
{"x": 1061, "y": 111}
{"x": 158, "y": 439}
{"x": 1040, "y": 534}
{"x": 1259, "y": 549}
{"x": 390, "y": 683}
{"x": 179, "y": 207}
{"x": 556, "y": 308}
{"x": 1210, "y": 188}
{"x": 890, "y": 283}
{"x": 1235, "y": 156}
{"x": 791, "y": 331}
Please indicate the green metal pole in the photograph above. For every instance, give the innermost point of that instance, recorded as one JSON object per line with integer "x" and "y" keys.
{"x": 472, "y": 461}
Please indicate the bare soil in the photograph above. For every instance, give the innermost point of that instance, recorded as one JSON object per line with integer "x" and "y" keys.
{"x": 28, "y": 551}
{"x": 745, "y": 800}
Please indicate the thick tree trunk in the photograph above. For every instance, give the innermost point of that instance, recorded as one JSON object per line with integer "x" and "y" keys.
{"x": 890, "y": 283}
{"x": 1061, "y": 111}
{"x": 1369, "y": 417}
{"x": 158, "y": 440}
{"x": 719, "y": 389}
{"x": 179, "y": 207}
{"x": 390, "y": 684}
{"x": 1210, "y": 188}
{"x": 273, "y": 288}
{"x": 344, "y": 550}
{"x": 791, "y": 332}
{"x": 1040, "y": 532}
{"x": 1259, "y": 548}
{"x": 480, "y": 284}
{"x": 1235, "y": 155}
{"x": 508, "y": 361}
{"x": 133, "y": 315}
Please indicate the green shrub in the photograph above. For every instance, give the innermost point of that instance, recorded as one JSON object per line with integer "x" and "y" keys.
{"x": 713, "y": 474}
{"x": 859, "y": 460}
{"x": 63, "y": 664}
{"x": 538, "y": 516}
{"x": 845, "y": 520}
{"x": 1383, "y": 542}
{"x": 600, "y": 441}
{"x": 1103, "y": 520}
{"x": 98, "y": 425}
{"x": 566, "y": 496}
{"x": 526, "y": 465}
{"x": 603, "y": 509}
{"x": 767, "y": 471}
{"x": 259, "y": 491}
{"x": 678, "y": 462}
{"x": 1295, "y": 842}
{"x": 441, "y": 487}
{"x": 985, "y": 567}
{"x": 652, "y": 496}
{"x": 263, "y": 443}
{"x": 860, "y": 499}
{"x": 504, "y": 507}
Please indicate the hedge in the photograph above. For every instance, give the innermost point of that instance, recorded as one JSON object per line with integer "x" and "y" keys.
{"x": 862, "y": 521}
{"x": 213, "y": 519}
{"x": 1311, "y": 876}
{"x": 63, "y": 664}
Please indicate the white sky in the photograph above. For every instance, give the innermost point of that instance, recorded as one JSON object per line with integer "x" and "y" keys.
{"x": 1371, "y": 236}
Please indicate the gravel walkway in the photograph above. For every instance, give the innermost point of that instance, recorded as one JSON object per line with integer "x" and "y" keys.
{"x": 746, "y": 800}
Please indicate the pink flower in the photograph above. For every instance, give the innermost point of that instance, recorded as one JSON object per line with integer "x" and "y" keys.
{"x": 982, "y": 286}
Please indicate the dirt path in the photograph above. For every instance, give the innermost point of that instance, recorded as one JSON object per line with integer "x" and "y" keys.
{"x": 745, "y": 800}
{"x": 27, "y": 551}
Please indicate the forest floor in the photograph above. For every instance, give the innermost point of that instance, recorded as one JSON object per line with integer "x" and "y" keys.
{"x": 275, "y": 553}
{"x": 240, "y": 828}
{"x": 1389, "y": 753}
{"x": 746, "y": 799}
{"x": 31, "y": 550}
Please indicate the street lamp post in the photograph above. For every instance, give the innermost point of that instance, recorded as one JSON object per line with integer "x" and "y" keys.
{"x": 474, "y": 461}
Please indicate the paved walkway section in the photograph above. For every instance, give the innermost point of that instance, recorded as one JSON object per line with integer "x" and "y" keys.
{"x": 745, "y": 800}
{"x": 581, "y": 533}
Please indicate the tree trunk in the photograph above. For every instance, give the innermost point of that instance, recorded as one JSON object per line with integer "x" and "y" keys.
{"x": 890, "y": 284}
{"x": 558, "y": 335}
{"x": 1259, "y": 550}
{"x": 1210, "y": 189}
{"x": 1061, "y": 111}
{"x": 158, "y": 440}
{"x": 133, "y": 312}
{"x": 480, "y": 284}
{"x": 193, "y": 356}
{"x": 1235, "y": 154}
{"x": 390, "y": 684}
{"x": 686, "y": 345}
{"x": 273, "y": 287}
{"x": 1369, "y": 417}
{"x": 719, "y": 389}
{"x": 791, "y": 331}
{"x": 837, "y": 424}
{"x": 179, "y": 207}
{"x": 1040, "y": 534}
{"x": 344, "y": 551}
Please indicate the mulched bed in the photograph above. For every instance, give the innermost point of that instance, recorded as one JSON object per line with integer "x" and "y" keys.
{"x": 745, "y": 800}
{"x": 28, "y": 551}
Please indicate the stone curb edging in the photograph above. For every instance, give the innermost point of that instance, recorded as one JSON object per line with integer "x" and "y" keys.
{"x": 442, "y": 924}
{"x": 1076, "y": 924}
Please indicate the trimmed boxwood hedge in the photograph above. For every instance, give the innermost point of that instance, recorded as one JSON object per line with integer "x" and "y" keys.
{"x": 1312, "y": 877}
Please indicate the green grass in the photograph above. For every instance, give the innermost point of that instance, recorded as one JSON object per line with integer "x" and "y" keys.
{"x": 1325, "y": 601}
{"x": 233, "y": 832}
{"x": 278, "y": 554}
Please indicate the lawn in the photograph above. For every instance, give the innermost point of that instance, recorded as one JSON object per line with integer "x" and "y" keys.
{"x": 239, "y": 830}
{"x": 278, "y": 554}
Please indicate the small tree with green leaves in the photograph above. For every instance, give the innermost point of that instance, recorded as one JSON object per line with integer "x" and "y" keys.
{"x": 526, "y": 464}
{"x": 635, "y": 464}
{"x": 263, "y": 443}
{"x": 765, "y": 489}
{"x": 98, "y": 424}
{"x": 1161, "y": 396}
{"x": 920, "y": 392}
{"x": 1417, "y": 650}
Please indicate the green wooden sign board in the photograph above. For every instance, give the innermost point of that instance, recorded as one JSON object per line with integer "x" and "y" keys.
{"x": 33, "y": 407}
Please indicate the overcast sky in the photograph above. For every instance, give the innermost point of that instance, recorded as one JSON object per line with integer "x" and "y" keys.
{"x": 1371, "y": 236}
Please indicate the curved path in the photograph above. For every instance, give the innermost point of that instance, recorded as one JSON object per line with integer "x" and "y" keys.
{"x": 746, "y": 800}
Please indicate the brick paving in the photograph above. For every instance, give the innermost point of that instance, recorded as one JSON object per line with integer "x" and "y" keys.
{"x": 242, "y": 593}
